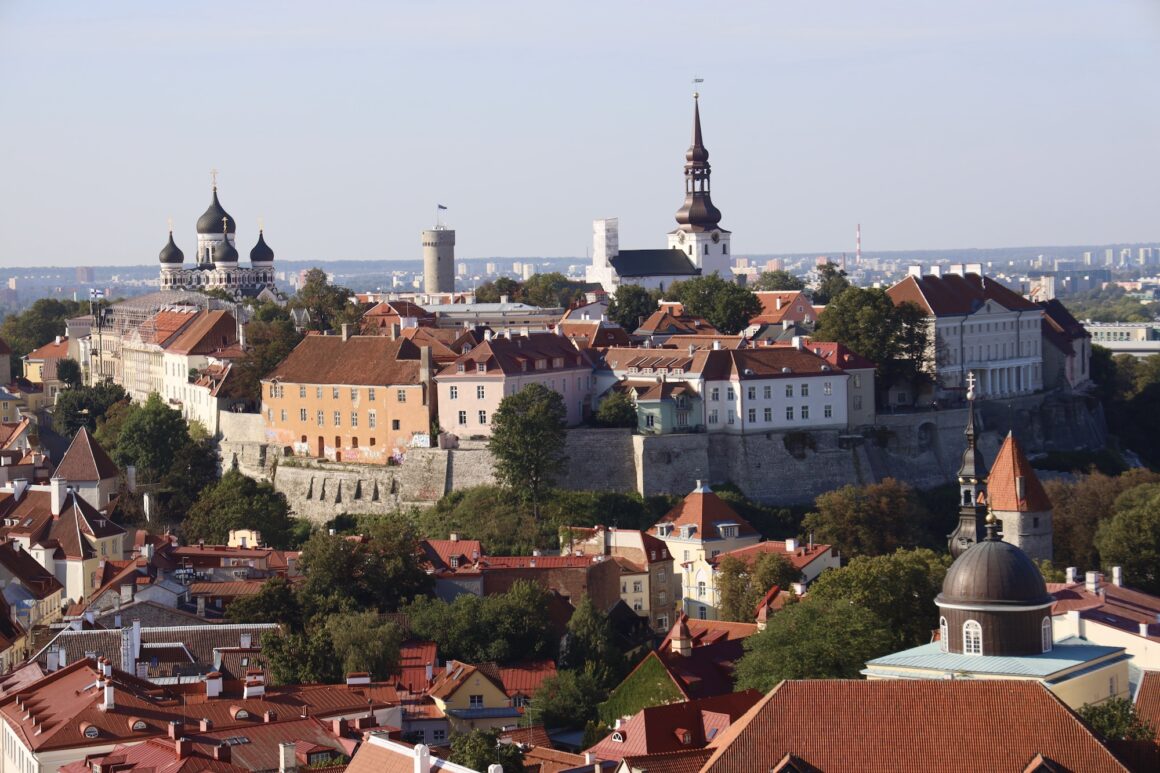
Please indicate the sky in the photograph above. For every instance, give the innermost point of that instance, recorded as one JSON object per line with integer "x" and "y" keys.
{"x": 341, "y": 125}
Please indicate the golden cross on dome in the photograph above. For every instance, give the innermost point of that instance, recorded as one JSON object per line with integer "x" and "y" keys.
{"x": 971, "y": 385}
{"x": 261, "y": 225}
{"x": 170, "y": 221}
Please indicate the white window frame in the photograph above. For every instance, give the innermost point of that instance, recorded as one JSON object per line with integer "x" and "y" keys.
{"x": 972, "y": 638}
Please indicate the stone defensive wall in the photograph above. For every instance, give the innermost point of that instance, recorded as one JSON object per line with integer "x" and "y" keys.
{"x": 783, "y": 468}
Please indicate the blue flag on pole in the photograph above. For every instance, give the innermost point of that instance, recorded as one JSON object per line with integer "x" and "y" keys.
{"x": 441, "y": 206}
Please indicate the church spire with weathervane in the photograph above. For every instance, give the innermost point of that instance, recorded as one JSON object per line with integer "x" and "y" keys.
{"x": 699, "y": 234}
{"x": 972, "y": 491}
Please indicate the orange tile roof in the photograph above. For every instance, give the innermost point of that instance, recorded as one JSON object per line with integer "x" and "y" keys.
{"x": 651, "y": 730}
{"x": 526, "y": 677}
{"x": 1115, "y": 605}
{"x": 955, "y": 295}
{"x": 206, "y": 333}
{"x": 519, "y": 354}
{"x": 771, "y": 314}
{"x": 910, "y": 725}
{"x": 801, "y": 557}
{"x": 53, "y": 350}
{"x": 665, "y": 323}
{"x": 360, "y": 360}
{"x": 703, "y": 509}
{"x": 227, "y": 589}
{"x": 1002, "y": 483}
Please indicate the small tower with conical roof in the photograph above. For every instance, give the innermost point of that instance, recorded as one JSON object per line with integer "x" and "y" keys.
{"x": 1018, "y": 500}
{"x": 699, "y": 233}
{"x": 972, "y": 490}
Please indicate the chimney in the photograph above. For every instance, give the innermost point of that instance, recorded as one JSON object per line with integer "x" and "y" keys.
{"x": 422, "y": 759}
{"x": 255, "y": 686}
{"x": 221, "y": 752}
{"x": 429, "y": 672}
{"x": 338, "y": 727}
{"x": 454, "y": 536}
{"x": 1020, "y": 487}
{"x": 346, "y": 331}
{"x": 52, "y": 659}
{"x": 287, "y": 762}
{"x": 692, "y": 349}
{"x": 799, "y": 589}
{"x": 504, "y": 298}
{"x": 716, "y": 344}
{"x": 136, "y": 628}
{"x": 201, "y": 606}
{"x": 127, "y": 590}
{"x": 268, "y": 717}
{"x": 1143, "y": 629}
{"x": 1092, "y": 582}
{"x": 108, "y": 702}
{"x": 495, "y": 768}
{"x": 790, "y": 545}
{"x": 183, "y": 747}
{"x": 778, "y": 303}
{"x": 1072, "y": 572}
{"x": 1118, "y": 576}
{"x": 205, "y": 725}
{"x": 59, "y": 488}
{"x": 447, "y": 668}
{"x": 213, "y": 684}
{"x": 798, "y": 343}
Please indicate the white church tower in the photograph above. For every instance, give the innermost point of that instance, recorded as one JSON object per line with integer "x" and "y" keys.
{"x": 698, "y": 233}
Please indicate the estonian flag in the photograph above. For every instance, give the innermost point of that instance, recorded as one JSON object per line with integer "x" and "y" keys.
{"x": 441, "y": 206}
{"x": 95, "y": 293}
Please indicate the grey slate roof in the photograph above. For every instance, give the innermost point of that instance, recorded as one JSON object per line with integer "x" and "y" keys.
{"x": 667, "y": 262}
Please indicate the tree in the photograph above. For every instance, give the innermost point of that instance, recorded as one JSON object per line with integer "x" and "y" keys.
{"x": 832, "y": 282}
{"x": 85, "y": 406}
{"x": 778, "y": 280}
{"x": 630, "y": 304}
{"x": 1116, "y": 720}
{"x": 364, "y": 641}
{"x": 868, "y": 322}
{"x": 39, "y": 324}
{"x": 329, "y": 305}
{"x": 567, "y": 700}
{"x": 276, "y": 602}
{"x": 743, "y": 584}
{"x": 194, "y": 469}
{"x": 550, "y": 290}
{"x": 617, "y": 410}
{"x": 267, "y": 344}
{"x": 588, "y": 644}
{"x": 239, "y": 502}
{"x": 1131, "y": 538}
{"x": 151, "y": 437}
{"x": 1080, "y": 506}
{"x": 898, "y": 589}
{"x": 1129, "y": 389}
{"x": 868, "y": 520}
{"x": 68, "y": 371}
{"x": 300, "y": 658}
{"x": 492, "y": 292}
{"x": 726, "y": 305}
{"x": 527, "y": 441}
{"x": 814, "y": 639}
{"x": 480, "y": 749}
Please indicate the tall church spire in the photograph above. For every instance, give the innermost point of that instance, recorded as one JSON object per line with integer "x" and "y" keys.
{"x": 972, "y": 493}
{"x": 698, "y": 213}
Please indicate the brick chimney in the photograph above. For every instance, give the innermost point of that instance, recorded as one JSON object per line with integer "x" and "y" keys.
{"x": 176, "y": 729}
{"x": 221, "y": 752}
{"x": 59, "y": 489}
{"x": 183, "y": 747}
{"x": 205, "y": 725}
{"x": 213, "y": 684}
{"x": 287, "y": 762}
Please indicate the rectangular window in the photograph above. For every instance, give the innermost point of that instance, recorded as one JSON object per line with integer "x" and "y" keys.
{"x": 481, "y": 367}
{"x": 637, "y": 586}
{"x": 752, "y": 415}
{"x": 401, "y": 395}
{"x": 767, "y": 392}
{"x": 729, "y": 395}
{"x": 354, "y": 418}
{"x": 475, "y": 701}
{"x": 857, "y": 402}
{"x": 480, "y": 391}
{"x": 483, "y": 417}
{"x": 334, "y": 393}
{"x": 321, "y": 418}
{"x": 805, "y": 412}
{"x": 273, "y": 391}
{"x": 789, "y": 413}
{"x": 371, "y": 394}
{"x": 372, "y": 419}
{"x": 713, "y": 416}
{"x": 715, "y": 393}
{"x": 463, "y": 418}
{"x": 649, "y": 419}
{"x": 454, "y": 393}
{"x": 301, "y": 414}
{"x": 394, "y": 424}
{"x": 768, "y": 415}
{"x": 732, "y": 418}
{"x": 789, "y": 390}
{"x": 302, "y": 391}
{"x": 318, "y": 393}
{"x": 338, "y": 418}
{"x": 752, "y": 393}
{"x": 828, "y": 411}
{"x": 283, "y": 415}
{"x": 827, "y": 388}
{"x": 805, "y": 390}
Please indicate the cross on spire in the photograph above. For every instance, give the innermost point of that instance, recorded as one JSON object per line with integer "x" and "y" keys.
{"x": 213, "y": 177}
{"x": 971, "y": 385}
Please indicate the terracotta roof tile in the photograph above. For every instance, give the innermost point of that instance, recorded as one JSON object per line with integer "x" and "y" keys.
{"x": 685, "y": 761}
{"x": 704, "y": 510}
{"x": 1003, "y": 487}
{"x": 85, "y": 461}
{"x": 206, "y": 333}
{"x": 53, "y": 350}
{"x": 519, "y": 354}
{"x": 772, "y": 313}
{"x": 38, "y": 580}
{"x": 651, "y": 730}
{"x": 369, "y": 360}
{"x": 909, "y": 725}
{"x": 662, "y": 322}
{"x": 955, "y": 295}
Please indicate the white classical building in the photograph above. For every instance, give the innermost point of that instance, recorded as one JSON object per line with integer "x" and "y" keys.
{"x": 977, "y": 325}
{"x": 698, "y": 245}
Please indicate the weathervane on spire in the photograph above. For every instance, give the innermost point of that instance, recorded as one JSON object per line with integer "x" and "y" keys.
{"x": 696, "y": 93}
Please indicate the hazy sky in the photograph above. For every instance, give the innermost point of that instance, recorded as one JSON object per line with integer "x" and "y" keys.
{"x": 948, "y": 123}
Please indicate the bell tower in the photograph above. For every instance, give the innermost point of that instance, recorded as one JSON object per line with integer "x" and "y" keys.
{"x": 698, "y": 233}
{"x": 972, "y": 490}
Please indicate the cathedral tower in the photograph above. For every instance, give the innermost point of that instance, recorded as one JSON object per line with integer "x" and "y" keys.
{"x": 972, "y": 492}
{"x": 698, "y": 233}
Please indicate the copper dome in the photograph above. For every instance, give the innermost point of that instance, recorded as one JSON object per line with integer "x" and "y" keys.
{"x": 994, "y": 573}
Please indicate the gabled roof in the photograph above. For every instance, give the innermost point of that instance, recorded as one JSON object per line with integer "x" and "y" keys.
{"x": 40, "y": 582}
{"x": 654, "y": 730}
{"x": 956, "y": 295}
{"x": 360, "y": 360}
{"x": 839, "y": 355}
{"x": 518, "y": 354}
{"x": 13, "y": 431}
{"x": 1114, "y": 605}
{"x": 454, "y": 675}
{"x": 1003, "y": 487}
{"x": 664, "y": 322}
{"x": 206, "y": 333}
{"x": 703, "y": 510}
{"x": 777, "y": 304}
{"x": 53, "y": 350}
{"x": 526, "y": 677}
{"x": 440, "y": 552}
{"x": 85, "y": 461}
{"x": 801, "y": 556}
{"x": 592, "y": 333}
{"x": 663, "y": 262}
{"x": 910, "y": 725}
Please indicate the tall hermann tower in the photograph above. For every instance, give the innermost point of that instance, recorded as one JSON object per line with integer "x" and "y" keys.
{"x": 698, "y": 233}
{"x": 439, "y": 260}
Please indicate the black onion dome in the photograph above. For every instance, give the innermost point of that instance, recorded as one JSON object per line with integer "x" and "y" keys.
{"x": 225, "y": 252}
{"x": 994, "y": 572}
{"x": 211, "y": 221}
{"x": 261, "y": 252}
{"x": 171, "y": 254}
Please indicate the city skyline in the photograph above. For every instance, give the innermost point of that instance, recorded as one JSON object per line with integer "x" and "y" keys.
{"x": 968, "y": 124}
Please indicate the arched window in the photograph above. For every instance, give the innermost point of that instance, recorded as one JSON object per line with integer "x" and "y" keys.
{"x": 944, "y": 634}
{"x": 1045, "y": 634}
{"x": 972, "y": 638}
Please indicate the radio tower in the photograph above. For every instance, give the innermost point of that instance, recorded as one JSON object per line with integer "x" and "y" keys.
{"x": 858, "y": 246}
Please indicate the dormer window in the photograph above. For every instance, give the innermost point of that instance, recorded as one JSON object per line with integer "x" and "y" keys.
{"x": 618, "y": 737}
{"x": 687, "y": 531}
{"x": 454, "y": 562}
{"x": 481, "y": 367}
{"x": 460, "y": 367}
{"x": 728, "y": 531}
{"x": 558, "y": 362}
{"x": 541, "y": 364}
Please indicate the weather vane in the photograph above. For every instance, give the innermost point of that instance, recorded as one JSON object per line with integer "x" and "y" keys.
{"x": 696, "y": 81}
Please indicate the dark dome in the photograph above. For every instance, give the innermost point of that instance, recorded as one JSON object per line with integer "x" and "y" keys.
{"x": 225, "y": 252}
{"x": 697, "y": 154}
{"x": 171, "y": 254}
{"x": 211, "y": 221}
{"x": 261, "y": 252}
{"x": 698, "y": 213}
{"x": 994, "y": 573}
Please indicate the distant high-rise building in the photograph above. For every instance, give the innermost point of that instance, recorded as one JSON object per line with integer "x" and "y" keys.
{"x": 774, "y": 265}
{"x": 84, "y": 274}
{"x": 1109, "y": 257}
{"x": 1087, "y": 258}
{"x": 491, "y": 268}
{"x": 439, "y": 260}
{"x": 518, "y": 268}
{"x": 528, "y": 271}
{"x": 461, "y": 269}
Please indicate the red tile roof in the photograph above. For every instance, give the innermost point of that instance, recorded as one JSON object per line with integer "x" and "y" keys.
{"x": 414, "y": 658}
{"x": 704, "y": 510}
{"x": 592, "y": 334}
{"x": 85, "y": 461}
{"x": 519, "y": 354}
{"x": 651, "y": 730}
{"x": 663, "y": 322}
{"x": 12, "y": 431}
{"x": 955, "y": 295}
{"x": 801, "y": 557}
{"x": 360, "y": 360}
{"x": 230, "y": 589}
{"x": 54, "y": 350}
{"x": 526, "y": 677}
{"x": 684, "y": 761}
{"x": 1003, "y": 494}
{"x": 208, "y": 332}
{"x": 772, "y": 314}
{"x": 40, "y": 582}
{"x": 839, "y": 355}
{"x": 910, "y": 725}
{"x": 1117, "y": 606}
